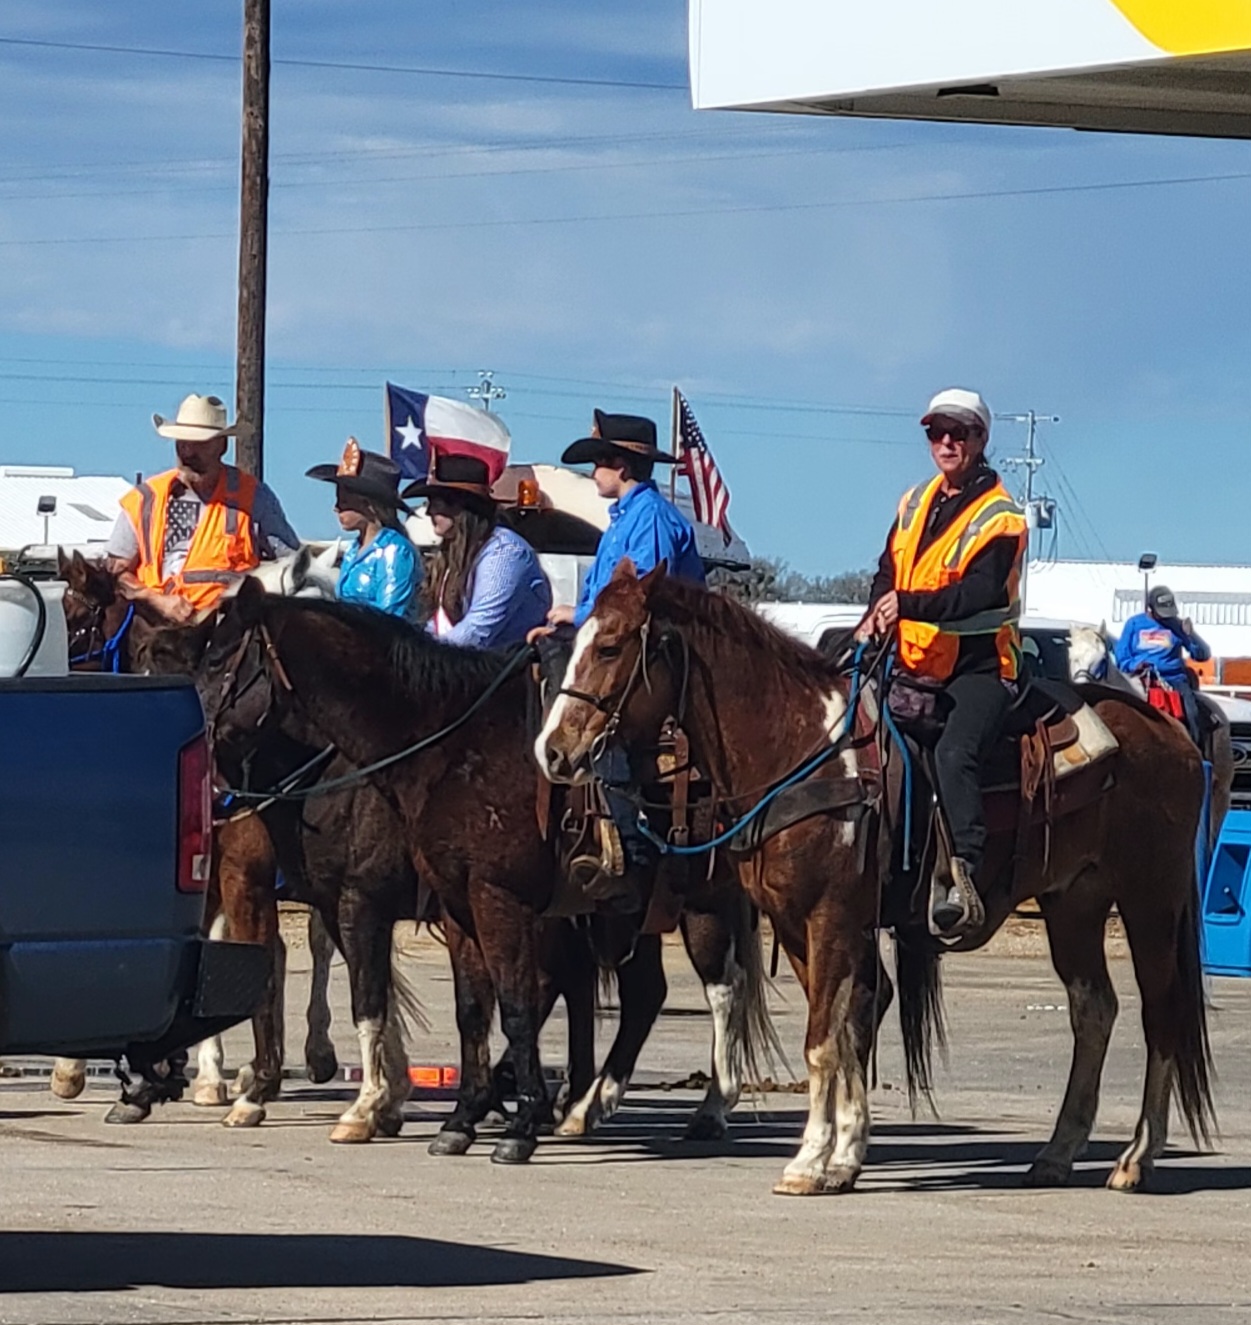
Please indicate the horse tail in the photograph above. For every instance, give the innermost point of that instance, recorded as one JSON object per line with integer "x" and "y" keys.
{"x": 404, "y": 1007}
{"x": 921, "y": 1018}
{"x": 1193, "y": 1062}
{"x": 761, "y": 1047}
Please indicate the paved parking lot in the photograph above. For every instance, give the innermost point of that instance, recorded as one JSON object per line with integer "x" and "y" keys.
{"x": 181, "y": 1221}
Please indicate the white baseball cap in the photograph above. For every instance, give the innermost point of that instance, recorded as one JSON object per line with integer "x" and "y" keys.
{"x": 957, "y": 403}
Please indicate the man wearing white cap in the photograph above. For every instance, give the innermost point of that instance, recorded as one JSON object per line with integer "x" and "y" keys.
{"x": 185, "y": 534}
{"x": 948, "y": 588}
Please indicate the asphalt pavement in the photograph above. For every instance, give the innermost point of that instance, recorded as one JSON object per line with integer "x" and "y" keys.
{"x": 179, "y": 1220}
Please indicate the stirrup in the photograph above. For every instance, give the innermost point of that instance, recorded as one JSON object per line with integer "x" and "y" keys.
{"x": 956, "y": 910}
{"x": 612, "y": 859}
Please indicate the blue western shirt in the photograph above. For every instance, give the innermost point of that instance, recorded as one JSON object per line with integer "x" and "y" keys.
{"x": 1146, "y": 642}
{"x": 508, "y": 595}
{"x": 648, "y": 529}
{"x": 384, "y": 575}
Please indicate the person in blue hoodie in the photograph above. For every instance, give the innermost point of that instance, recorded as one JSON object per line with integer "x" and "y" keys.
{"x": 1158, "y": 641}
{"x": 381, "y": 569}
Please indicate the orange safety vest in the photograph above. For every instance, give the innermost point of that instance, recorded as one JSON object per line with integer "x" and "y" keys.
{"x": 222, "y": 547}
{"x": 929, "y": 649}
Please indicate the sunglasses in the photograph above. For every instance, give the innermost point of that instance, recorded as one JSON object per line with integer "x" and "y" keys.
{"x": 958, "y": 432}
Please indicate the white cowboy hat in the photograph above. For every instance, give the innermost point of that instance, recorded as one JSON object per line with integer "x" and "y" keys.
{"x": 199, "y": 419}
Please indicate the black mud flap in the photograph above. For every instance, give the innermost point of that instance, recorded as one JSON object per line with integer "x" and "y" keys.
{"x": 230, "y": 980}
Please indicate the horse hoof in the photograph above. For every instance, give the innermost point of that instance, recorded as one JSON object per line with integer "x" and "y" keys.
{"x": 1131, "y": 1177}
{"x": 353, "y": 1133}
{"x": 124, "y": 1112}
{"x": 513, "y": 1150}
{"x": 575, "y": 1124}
{"x": 68, "y": 1087}
{"x": 839, "y": 1181}
{"x": 450, "y": 1143}
{"x": 1047, "y": 1173}
{"x": 244, "y": 1080}
{"x": 209, "y": 1095}
{"x": 799, "y": 1184}
{"x": 244, "y": 1114}
{"x": 321, "y": 1067}
{"x": 389, "y": 1124}
{"x": 705, "y": 1127}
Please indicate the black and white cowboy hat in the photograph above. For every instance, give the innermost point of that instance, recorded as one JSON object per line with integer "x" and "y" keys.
{"x": 618, "y": 434}
{"x": 365, "y": 474}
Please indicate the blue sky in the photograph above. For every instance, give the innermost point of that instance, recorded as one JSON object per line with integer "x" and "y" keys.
{"x": 593, "y": 245}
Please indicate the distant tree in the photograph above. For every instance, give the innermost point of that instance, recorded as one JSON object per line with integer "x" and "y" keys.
{"x": 772, "y": 580}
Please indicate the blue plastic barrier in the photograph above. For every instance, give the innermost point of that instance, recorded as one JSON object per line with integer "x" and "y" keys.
{"x": 1227, "y": 899}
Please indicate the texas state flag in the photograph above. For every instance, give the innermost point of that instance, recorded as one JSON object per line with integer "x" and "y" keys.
{"x": 420, "y": 427}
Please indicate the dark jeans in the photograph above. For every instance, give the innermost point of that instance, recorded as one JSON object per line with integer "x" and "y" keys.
{"x": 1190, "y": 708}
{"x": 979, "y": 702}
{"x": 612, "y": 767}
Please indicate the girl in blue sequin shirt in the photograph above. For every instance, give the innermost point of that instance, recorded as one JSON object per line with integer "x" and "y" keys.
{"x": 381, "y": 569}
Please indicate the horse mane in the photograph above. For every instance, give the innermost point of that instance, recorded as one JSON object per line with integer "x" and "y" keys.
{"x": 420, "y": 664}
{"x": 683, "y": 603}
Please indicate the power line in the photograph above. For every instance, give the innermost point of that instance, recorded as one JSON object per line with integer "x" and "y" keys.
{"x": 345, "y": 65}
{"x": 677, "y": 214}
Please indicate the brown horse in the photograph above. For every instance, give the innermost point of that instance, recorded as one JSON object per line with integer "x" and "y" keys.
{"x": 757, "y": 705}
{"x": 107, "y": 632}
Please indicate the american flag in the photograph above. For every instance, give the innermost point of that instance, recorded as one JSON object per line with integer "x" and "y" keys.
{"x": 709, "y": 495}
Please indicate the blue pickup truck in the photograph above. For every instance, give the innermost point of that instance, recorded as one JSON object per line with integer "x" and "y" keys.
{"x": 105, "y": 838}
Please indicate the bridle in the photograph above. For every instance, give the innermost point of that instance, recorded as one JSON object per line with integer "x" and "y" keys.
{"x": 87, "y": 632}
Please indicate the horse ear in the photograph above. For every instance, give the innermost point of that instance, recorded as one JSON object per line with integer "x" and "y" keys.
{"x": 63, "y": 564}
{"x": 653, "y": 577}
{"x": 625, "y": 570}
{"x": 250, "y": 601}
{"x": 299, "y": 569}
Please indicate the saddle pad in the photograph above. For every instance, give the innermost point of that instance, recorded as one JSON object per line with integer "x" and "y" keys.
{"x": 1078, "y": 740}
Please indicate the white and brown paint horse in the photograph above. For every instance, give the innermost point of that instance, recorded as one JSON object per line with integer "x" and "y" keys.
{"x": 757, "y": 705}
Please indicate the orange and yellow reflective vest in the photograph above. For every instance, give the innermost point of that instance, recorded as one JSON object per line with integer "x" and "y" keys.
{"x": 931, "y": 649}
{"x": 222, "y": 547}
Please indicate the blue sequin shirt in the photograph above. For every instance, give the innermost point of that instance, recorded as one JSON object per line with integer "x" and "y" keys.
{"x": 384, "y": 575}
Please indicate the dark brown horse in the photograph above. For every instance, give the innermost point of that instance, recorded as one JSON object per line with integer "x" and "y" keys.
{"x": 107, "y": 632}
{"x": 757, "y": 705}
{"x": 313, "y": 674}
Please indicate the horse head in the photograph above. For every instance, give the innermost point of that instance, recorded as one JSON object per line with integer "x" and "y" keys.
{"x": 619, "y": 680}
{"x": 94, "y": 610}
{"x": 1088, "y": 654}
{"x": 305, "y": 573}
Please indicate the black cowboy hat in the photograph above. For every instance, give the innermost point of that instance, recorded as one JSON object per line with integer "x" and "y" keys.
{"x": 618, "y": 434}
{"x": 456, "y": 476}
{"x": 365, "y": 474}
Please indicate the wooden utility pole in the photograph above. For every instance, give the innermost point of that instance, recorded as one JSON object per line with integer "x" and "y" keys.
{"x": 253, "y": 235}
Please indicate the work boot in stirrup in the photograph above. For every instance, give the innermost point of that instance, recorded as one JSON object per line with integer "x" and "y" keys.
{"x": 956, "y": 910}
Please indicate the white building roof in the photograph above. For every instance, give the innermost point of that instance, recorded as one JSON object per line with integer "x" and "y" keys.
{"x": 86, "y": 505}
{"x": 1217, "y": 599}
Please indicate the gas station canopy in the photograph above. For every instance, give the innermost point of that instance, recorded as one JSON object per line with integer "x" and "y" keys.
{"x": 1142, "y": 66}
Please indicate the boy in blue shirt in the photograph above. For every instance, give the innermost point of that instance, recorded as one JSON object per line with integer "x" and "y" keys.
{"x": 648, "y": 529}
{"x": 1157, "y": 640}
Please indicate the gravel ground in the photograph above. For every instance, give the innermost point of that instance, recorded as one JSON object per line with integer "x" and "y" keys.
{"x": 180, "y": 1220}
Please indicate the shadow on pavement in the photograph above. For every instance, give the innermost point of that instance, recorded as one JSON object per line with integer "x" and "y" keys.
{"x": 44, "y": 1262}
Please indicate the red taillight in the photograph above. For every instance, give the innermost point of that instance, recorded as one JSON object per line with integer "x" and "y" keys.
{"x": 195, "y": 816}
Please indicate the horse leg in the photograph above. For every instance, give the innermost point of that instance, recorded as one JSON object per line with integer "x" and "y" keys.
{"x": 319, "y": 1053}
{"x": 710, "y": 944}
{"x": 1075, "y": 933}
{"x": 475, "y": 1007}
{"x": 69, "y": 1078}
{"x": 508, "y": 932}
{"x": 1171, "y": 999}
{"x": 842, "y": 1007}
{"x": 641, "y": 989}
{"x": 365, "y": 937}
{"x": 247, "y": 873}
{"x": 210, "y": 1089}
{"x": 576, "y": 985}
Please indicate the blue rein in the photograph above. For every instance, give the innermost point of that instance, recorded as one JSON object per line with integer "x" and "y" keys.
{"x": 803, "y": 771}
{"x": 111, "y": 650}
